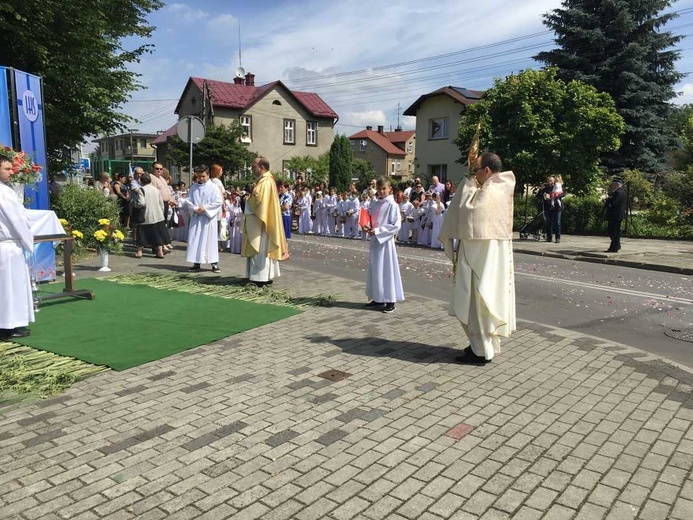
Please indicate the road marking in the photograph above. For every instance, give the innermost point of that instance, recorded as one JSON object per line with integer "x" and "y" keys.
{"x": 604, "y": 288}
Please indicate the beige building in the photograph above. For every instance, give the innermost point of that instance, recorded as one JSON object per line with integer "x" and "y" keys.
{"x": 438, "y": 116}
{"x": 134, "y": 147}
{"x": 390, "y": 153}
{"x": 278, "y": 123}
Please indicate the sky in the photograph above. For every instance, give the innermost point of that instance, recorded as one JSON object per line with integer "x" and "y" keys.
{"x": 368, "y": 60}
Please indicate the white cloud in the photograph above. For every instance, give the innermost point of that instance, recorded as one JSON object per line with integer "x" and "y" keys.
{"x": 183, "y": 13}
{"x": 685, "y": 94}
{"x": 362, "y": 119}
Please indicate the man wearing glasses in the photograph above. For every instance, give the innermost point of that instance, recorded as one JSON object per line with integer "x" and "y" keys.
{"x": 479, "y": 221}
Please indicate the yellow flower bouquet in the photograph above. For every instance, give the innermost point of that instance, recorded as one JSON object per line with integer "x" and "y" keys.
{"x": 108, "y": 237}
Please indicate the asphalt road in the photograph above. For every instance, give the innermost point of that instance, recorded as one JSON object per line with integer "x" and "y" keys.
{"x": 629, "y": 306}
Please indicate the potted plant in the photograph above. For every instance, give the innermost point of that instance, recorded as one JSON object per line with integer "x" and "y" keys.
{"x": 24, "y": 170}
{"x": 109, "y": 239}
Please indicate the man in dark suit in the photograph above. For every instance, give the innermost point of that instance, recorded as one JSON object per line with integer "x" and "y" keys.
{"x": 615, "y": 213}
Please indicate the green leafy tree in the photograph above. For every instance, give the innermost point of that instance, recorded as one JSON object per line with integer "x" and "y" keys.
{"x": 620, "y": 47}
{"x": 77, "y": 47}
{"x": 311, "y": 168}
{"x": 541, "y": 126}
{"x": 340, "y": 163}
{"x": 221, "y": 145}
{"x": 363, "y": 170}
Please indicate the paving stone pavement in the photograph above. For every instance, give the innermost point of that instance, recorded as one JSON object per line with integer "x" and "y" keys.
{"x": 559, "y": 426}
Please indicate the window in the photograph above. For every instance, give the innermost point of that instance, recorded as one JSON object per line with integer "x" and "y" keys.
{"x": 117, "y": 144}
{"x": 410, "y": 167}
{"x": 353, "y": 145}
{"x": 363, "y": 144}
{"x": 246, "y": 129}
{"x": 392, "y": 167}
{"x": 143, "y": 143}
{"x": 439, "y": 170}
{"x": 438, "y": 128}
{"x": 277, "y": 102}
{"x": 410, "y": 147}
{"x": 289, "y": 131}
{"x": 312, "y": 133}
{"x": 395, "y": 166}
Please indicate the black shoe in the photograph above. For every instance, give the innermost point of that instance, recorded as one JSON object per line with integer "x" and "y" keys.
{"x": 215, "y": 268}
{"x": 468, "y": 357}
{"x": 558, "y": 240}
{"x": 195, "y": 268}
{"x": 611, "y": 251}
{"x": 19, "y": 332}
{"x": 373, "y": 304}
{"x": 390, "y": 307}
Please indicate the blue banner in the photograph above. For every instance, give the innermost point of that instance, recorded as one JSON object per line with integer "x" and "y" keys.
{"x": 31, "y": 134}
{"x": 5, "y": 122}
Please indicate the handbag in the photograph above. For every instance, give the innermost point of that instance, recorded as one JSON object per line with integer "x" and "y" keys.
{"x": 173, "y": 219}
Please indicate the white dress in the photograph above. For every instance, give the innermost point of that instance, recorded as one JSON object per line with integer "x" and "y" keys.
{"x": 437, "y": 215}
{"x": 384, "y": 283}
{"x": 235, "y": 229}
{"x": 406, "y": 210}
{"x": 305, "y": 224}
{"x": 203, "y": 233}
{"x": 17, "y": 307}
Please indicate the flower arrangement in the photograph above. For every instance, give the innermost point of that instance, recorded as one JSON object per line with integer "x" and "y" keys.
{"x": 108, "y": 237}
{"x": 24, "y": 169}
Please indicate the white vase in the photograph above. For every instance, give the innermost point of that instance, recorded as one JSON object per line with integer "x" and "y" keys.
{"x": 19, "y": 191}
{"x": 104, "y": 260}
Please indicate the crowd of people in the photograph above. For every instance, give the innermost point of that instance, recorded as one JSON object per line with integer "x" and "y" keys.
{"x": 318, "y": 210}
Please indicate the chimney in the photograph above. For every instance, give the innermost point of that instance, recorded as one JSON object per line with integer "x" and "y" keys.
{"x": 250, "y": 80}
{"x": 238, "y": 81}
{"x": 398, "y": 129}
{"x": 369, "y": 128}
{"x": 380, "y": 129}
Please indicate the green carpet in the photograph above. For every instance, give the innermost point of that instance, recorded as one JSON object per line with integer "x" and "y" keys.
{"x": 128, "y": 325}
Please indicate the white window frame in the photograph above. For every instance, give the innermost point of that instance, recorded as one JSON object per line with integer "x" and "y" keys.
{"x": 438, "y": 128}
{"x": 410, "y": 147}
{"x": 363, "y": 144}
{"x": 289, "y": 131}
{"x": 311, "y": 133}
{"x": 246, "y": 129}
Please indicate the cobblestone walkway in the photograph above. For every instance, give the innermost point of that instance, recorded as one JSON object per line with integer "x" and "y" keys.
{"x": 559, "y": 426}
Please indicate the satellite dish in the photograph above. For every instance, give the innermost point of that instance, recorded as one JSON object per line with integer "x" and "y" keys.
{"x": 240, "y": 72}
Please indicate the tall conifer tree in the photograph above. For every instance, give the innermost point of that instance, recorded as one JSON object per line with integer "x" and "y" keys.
{"x": 620, "y": 47}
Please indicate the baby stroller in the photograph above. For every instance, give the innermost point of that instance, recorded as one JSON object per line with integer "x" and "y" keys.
{"x": 534, "y": 227}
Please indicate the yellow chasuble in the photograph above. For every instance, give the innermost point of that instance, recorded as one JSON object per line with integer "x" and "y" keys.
{"x": 266, "y": 217}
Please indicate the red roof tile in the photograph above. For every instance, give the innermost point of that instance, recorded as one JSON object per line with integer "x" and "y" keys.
{"x": 380, "y": 140}
{"x": 399, "y": 137}
{"x": 163, "y": 137}
{"x": 231, "y": 95}
{"x": 461, "y": 95}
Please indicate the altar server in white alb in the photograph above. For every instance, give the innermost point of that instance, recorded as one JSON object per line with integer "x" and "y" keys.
{"x": 204, "y": 205}
{"x": 16, "y": 302}
{"x": 384, "y": 283}
{"x": 480, "y": 220}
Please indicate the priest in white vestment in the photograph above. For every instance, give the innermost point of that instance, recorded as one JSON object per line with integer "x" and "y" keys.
{"x": 16, "y": 301}
{"x": 264, "y": 242}
{"x": 204, "y": 205}
{"x": 477, "y": 237}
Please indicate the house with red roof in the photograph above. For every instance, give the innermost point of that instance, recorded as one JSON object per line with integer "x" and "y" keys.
{"x": 278, "y": 123}
{"x": 438, "y": 116}
{"x": 390, "y": 153}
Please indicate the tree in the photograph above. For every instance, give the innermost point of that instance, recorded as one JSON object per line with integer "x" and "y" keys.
{"x": 221, "y": 145}
{"x": 76, "y": 46}
{"x": 619, "y": 47}
{"x": 312, "y": 169}
{"x": 540, "y": 126}
{"x": 363, "y": 170}
{"x": 340, "y": 163}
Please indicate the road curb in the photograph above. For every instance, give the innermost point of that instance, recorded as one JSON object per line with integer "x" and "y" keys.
{"x": 609, "y": 261}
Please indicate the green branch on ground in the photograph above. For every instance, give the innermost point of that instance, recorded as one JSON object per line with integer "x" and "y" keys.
{"x": 224, "y": 287}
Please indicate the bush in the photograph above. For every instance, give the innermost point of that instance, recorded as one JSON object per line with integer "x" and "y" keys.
{"x": 82, "y": 208}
